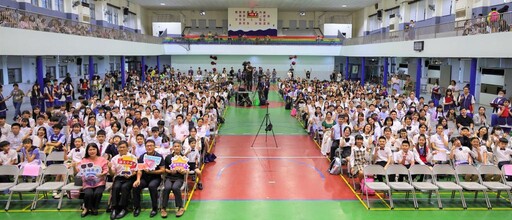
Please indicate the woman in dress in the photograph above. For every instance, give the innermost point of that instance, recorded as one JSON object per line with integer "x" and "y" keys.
{"x": 327, "y": 128}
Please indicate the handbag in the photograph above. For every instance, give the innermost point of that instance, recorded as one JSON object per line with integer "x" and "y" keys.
{"x": 78, "y": 181}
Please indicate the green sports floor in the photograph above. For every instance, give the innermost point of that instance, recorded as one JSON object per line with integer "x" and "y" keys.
{"x": 265, "y": 181}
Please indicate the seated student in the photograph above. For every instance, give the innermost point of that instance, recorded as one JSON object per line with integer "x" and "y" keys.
{"x": 439, "y": 142}
{"x": 502, "y": 153}
{"x": 8, "y": 156}
{"x": 77, "y": 153}
{"x": 76, "y": 132}
{"x": 57, "y": 140}
{"x": 30, "y": 153}
{"x": 93, "y": 186}
{"x": 148, "y": 178}
{"x": 123, "y": 182}
{"x": 460, "y": 154}
{"x": 155, "y": 136}
{"x": 422, "y": 152}
{"x": 112, "y": 149}
{"x": 139, "y": 149}
{"x": 173, "y": 182}
{"x": 382, "y": 155}
{"x": 405, "y": 157}
{"x": 358, "y": 158}
{"x": 194, "y": 156}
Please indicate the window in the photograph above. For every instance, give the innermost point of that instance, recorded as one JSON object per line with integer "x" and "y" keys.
{"x": 46, "y": 4}
{"x": 112, "y": 14}
{"x": 430, "y": 12}
{"x": 35, "y": 3}
{"x": 390, "y": 15}
{"x": 373, "y": 23}
{"x": 14, "y": 75}
{"x": 131, "y": 20}
{"x": 86, "y": 68}
{"x": 413, "y": 9}
{"x": 51, "y": 72}
{"x": 60, "y": 5}
{"x": 112, "y": 67}
{"x": 447, "y": 7}
{"x": 93, "y": 11}
{"x": 63, "y": 70}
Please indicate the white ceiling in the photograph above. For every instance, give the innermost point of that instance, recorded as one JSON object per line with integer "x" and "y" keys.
{"x": 282, "y": 5}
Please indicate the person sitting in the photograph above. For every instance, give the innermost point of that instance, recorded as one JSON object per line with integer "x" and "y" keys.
{"x": 173, "y": 182}
{"x": 93, "y": 185}
{"x": 123, "y": 181}
{"x": 193, "y": 157}
{"x": 150, "y": 178}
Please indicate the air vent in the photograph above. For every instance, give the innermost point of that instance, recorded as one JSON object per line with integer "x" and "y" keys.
{"x": 460, "y": 14}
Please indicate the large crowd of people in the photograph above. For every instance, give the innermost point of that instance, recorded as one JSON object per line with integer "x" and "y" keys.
{"x": 165, "y": 117}
{"x": 371, "y": 124}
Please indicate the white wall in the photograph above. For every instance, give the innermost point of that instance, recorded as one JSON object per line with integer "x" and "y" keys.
{"x": 489, "y": 45}
{"x": 17, "y": 41}
{"x": 332, "y": 29}
{"x": 320, "y": 66}
{"x": 171, "y": 27}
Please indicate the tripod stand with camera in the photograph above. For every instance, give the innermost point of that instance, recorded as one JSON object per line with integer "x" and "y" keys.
{"x": 268, "y": 128}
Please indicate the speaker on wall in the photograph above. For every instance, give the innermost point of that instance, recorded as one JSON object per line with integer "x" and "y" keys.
{"x": 427, "y": 62}
{"x": 79, "y": 61}
{"x": 379, "y": 14}
{"x": 125, "y": 11}
{"x": 376, "y": 6}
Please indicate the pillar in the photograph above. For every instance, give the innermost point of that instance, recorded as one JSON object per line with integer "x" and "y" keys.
{"x": 347, "y": 68}
{"x": 158, "y": 63}
{"x": 418, "y": 77}
{"x": 386, "y": 72}
{"x": 5, "y": 70}
{"x": 363, "y": 70}
{"x": 143, "y": 68}
{"x": 39, "y": 78}
{"x": 123, "y": 72}
{"x": 91, "y": 73}
{"x": 472, "y": 76}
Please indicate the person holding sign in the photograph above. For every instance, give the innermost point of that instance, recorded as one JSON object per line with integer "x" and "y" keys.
{"x": 149, "y": 177}
{"x": 123, "y": 167}
{"x": 176, "y": 167}
{"x": 94, "y": 169}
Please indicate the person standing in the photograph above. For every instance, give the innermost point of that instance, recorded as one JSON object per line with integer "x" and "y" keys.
{"x": 3, "y": 106}
{"x": 466, "y": 100}
{"x": 17, "y": 99}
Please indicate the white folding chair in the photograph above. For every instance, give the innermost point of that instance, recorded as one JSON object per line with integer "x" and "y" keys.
{"x": 55, "y": 156}
{"x": 496, "y": 186}
{"x": 506, "y": 170}
{"x": 69, "y": 187}
{"x": 466, "y": 169}
{"x": 372, "y": 170}
{"x": 447, "y": 170}
{"x": 398, "y": 169}
{"x": 425, "y": 185}
{"x": 53, "y": 170}
{"x": 9, "y": 170}
{"x": 22, "y": 187}
{"x": 42, "y": 157}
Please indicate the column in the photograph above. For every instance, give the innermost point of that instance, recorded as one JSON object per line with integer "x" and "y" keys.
{"x": 91, "y": 73}
{"x": 158, "y": 63}
{"x": 40, "y": 78}
{"x": 4, "y": 70}
{"x": 472, "y": 76}
{"x": 418, "y": 77}
{"x": 123, "y": 72}
{"x": 386, "y": 72}
{"x": 363, "y": 70}
{"x": 347, "y": 68}
{"x": 143, "y": 68}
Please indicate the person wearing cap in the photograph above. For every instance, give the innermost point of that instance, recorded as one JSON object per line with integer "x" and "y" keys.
{"x": 358, "y": 157}
{"x": 502, "y": 152}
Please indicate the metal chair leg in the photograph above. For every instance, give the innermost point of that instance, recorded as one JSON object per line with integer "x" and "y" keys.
{"x": 391, "y": 200}
{"x": 463, "y": 199}
{"x": 438, "y": 195}
{"x": 8, "y": 201}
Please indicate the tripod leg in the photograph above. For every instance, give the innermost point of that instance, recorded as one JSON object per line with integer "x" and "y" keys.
{"x": 252, "y": 145}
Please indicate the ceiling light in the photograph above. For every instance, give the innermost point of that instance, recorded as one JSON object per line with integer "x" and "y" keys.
{"x": 202, "y": 13}
{"x": 162, "y": 3}
{"x": 343, "y": 6}
{"x": 302, "y": 13}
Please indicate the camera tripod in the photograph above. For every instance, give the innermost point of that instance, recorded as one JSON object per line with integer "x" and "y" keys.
{"x": 268, "y": 127}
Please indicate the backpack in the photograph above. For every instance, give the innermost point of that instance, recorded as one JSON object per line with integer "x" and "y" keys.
{"x": 335, "y": 166}
{"x": 364, "y": 189}
{"x": 209, "y": 157}
{"x": 293, "y": 113}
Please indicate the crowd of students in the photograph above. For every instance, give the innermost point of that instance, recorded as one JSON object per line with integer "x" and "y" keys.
{"x": 368, "y": 124}
{"x": 163, "y": 117}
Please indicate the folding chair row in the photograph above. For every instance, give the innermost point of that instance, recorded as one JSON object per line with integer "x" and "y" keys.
{"x": 454, "y": 184}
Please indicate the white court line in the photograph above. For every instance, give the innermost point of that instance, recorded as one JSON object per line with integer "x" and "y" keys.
{"x": 270, "y": 157}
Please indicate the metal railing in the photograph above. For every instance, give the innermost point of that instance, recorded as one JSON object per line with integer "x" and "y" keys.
{"x": 15, "y": 18}
{"x": 479, "y": 25}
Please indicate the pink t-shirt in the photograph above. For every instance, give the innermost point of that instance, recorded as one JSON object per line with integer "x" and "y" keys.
{"x": 89, "y": 168}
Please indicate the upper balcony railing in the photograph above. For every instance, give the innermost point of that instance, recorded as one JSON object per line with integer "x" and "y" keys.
{"x": 252, "y": 40}
{"x": 15, "y": 18}
{"x": 492, "y": 23}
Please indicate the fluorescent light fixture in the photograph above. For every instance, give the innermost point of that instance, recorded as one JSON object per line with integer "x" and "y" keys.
{"x": 162, "y": 3}
{"x": 302, "y": 13}
{"x": 343, "y": 6}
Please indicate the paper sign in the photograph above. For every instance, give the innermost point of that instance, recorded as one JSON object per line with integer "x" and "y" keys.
{"x": 152, "y": 161}
{"x": 89, "y": 173}
{"x": 142, "y": 166}
{"x": 129, "y": 164}
{"x": 31, "y": 170}
{"x": 179, "y": 161}
{"x": 508, "y": 170}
